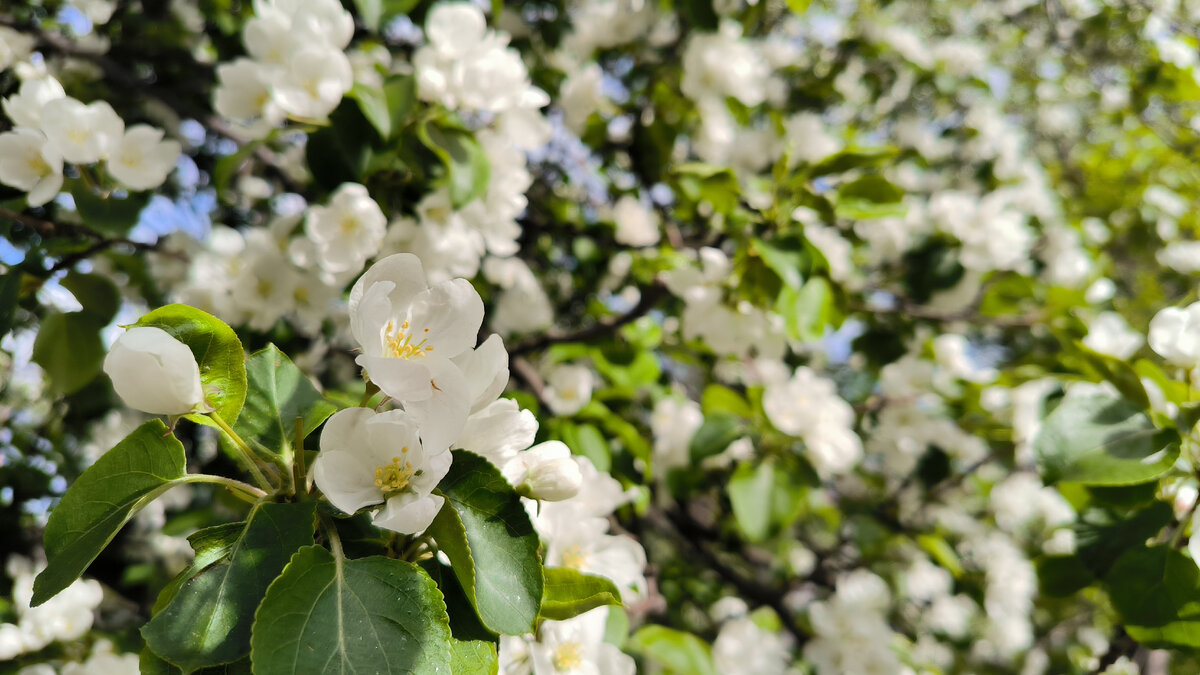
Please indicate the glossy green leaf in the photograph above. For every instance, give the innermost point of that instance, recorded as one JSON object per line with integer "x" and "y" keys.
{"x": 473, "y": 648}
{"x": 714, "y": 435}
{"x": 1118, "y": 373}
{"x": 870, "y": 196}
{"x": 467, "y": 166}
{"x": 111, "y": 216}
{"x": 97, "y": 294}
{"x": 1156, "y": 590}
{"x": 492, "y": 546}
{"x": 807, "y": 311}
{"x": 786, "y": 258}
{"x": 852, "y": 158}
{"x": 568, "y": 593}
{"x": 750, "y": 492}
{"x": 718, "y": 398}
{"x": 369, "y": 615}
{"x": 1103, "y": 440}
{"x": 586, "y": 440}
{"x": 207, "y": 621}
{"x": 278, "y": 393}
{"x": 69, "y": 349}
{"x": 218, "y": 352}
{"x": 676, "y": 652}
{"x": 104, "y": 498}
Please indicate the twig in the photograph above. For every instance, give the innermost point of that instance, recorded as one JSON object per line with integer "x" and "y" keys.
{"x": 650, "y": 297}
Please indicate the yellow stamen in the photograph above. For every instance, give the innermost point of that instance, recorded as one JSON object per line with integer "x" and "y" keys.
{"x": 574, "y": 558}
{"x": 394, "y": 477}
{"x": 398, "y": 342}
{"x": 568, "y": 656}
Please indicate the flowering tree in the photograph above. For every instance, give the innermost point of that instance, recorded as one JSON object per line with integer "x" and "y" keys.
{"x": 599, "y": 336}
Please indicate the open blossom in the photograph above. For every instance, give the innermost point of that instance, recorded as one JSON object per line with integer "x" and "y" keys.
{"x": 24, "y": 108}
{"x": 314, "y": 82}
{"x": 1175, "y": 334}
{"x": 142, "y": 159}
{"x": 577, "y": 647}
{"x": 568, "y": 389}
{"x": 808, "y": 406}
{"x": 81, "y": 134}
{"x": 27, "y": 162}
{"x": 155, "y": 373}
{"x": 546, "y": 471}
{"x": 348, "y": 231}
{"x": 370, "y": 458}
{"x": 409, "y": 333}
{"x": 637, "y": 224}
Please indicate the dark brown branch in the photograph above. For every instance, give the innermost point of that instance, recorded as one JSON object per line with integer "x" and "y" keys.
{"x": 651, "y": 296}
{"x": 48, "y": 229}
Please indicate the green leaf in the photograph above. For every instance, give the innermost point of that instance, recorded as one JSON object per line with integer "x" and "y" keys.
{"x": 718, "y": 398}
{"x": 473, "y": 648}
{"x": 108, "y": 215}
{"x": 1156, "y": 590}
{"x": 569, "y": 593}
{"x": 69, "y": 349}
{"x": 370, "y": 11}
{"x": 787, "y": 258}
{"x": 218, "y": 352}
{"x": 492, "y": 546}
{"x": 467, "y": 166}
{"x": 473, "y": 657}
{"x": 387, "y": 108}
{"x": 676, "y": 652}
{"x": 277, "y": 395}
{"x": 750, "y": 493}
{"x": 714, "y": 435}
{"x": 852, "y": 158}
{"x": 808, "y": 311}
{"x": 1062, "y": 576}
{"x": 1101, "y": 536}
{"x": 105, "y": 497}
{"x": 716, "y": 185}
{"x": 798, "y": 6}
{"x": 227, "y": 166}
{"x": 1103, "y": 440}
{"x": 328, "y": 614}
{"x": 586, "y": 440}
{"x": 10, "y": 292}
{"x": 207, "y": 621}
{"x": 97, "y": 294}
{"x": 1117, "y": 372}
{"x": 869, "y": 197}
{"x": 340, "y": 152}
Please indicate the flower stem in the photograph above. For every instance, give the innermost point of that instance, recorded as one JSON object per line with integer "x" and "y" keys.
{"x": 248, "y": 456}
{"x": 243, "y": 491}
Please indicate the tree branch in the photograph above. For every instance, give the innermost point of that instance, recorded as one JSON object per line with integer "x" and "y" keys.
{"x": 651, "y": 296}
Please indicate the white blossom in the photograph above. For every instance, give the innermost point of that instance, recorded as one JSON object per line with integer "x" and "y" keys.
{"x": 29, "y": 163}
{"x": 370, "y": 458}
{"x": 154, "y": 372}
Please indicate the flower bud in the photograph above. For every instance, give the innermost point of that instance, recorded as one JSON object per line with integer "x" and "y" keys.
{"x": 546, "y": 471}
{"x": 155, "y": 373}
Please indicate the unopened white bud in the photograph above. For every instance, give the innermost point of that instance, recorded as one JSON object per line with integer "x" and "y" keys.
{"x": 155, "y": 373}
{"x": 546, "y": 471}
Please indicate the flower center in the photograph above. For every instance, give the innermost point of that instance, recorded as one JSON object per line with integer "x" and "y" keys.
{"x": 568, "y": 656}
{"x": 348, "y": 224}
{"x": 394, "y": 477}
{"x": 398, "y": 342}
{"x": 574, "y": 557}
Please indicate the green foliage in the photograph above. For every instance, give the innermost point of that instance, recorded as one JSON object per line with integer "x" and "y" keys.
{"x": 871, "y": 196}
{"x": 568, "y": 593}
{"x": 387, "y": 108}
{"x": 491, "y": 544}
{"x": 109, "y": 215}
{"x": 1103, "y": 440}
{"x": 69, "y": 349}
{"x": 751, "y": 492}
{"x": 676, "y": 652}
{"x": 103, "y": 499}
{"x": 278, "y": 395}
{"x": 218, "y": 352}
{"x": 207, "y": 620}
{"x": 326, "y": 613}
{"x": 1156, "y": 590}
{"x": 466, "y": 164}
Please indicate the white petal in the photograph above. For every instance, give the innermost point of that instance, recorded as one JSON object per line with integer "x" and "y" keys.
{"x": 346, "y": 479}
{"x": 443, "y": 415}
{"x": 402, "y": 379}
{"x": 486, "y": 370}
{"x": 452, "y": 312}
{"x": 409, "y": 514}
{"x": 403, "y": 270}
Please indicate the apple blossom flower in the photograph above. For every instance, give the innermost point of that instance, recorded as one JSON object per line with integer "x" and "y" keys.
{"x": 370, "y": 458}
{"x": 546, "y": 471}
{"x": 409, "y": 333}
{"x": 314, "y": 82}
{"x": 142, "y": 159}
{"x": 637, "y": 224}
{"x": 27, "y": 162}
{"x": 1175, "y": 334}
{"x": 348, "y": 231}
{"x": 577, "y": 647}
{"x": 24, "y": 108}
{"x": 155, "y": 373}
{"x": 568, "y": 389}
{"x": 82, "y": 134}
